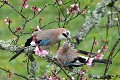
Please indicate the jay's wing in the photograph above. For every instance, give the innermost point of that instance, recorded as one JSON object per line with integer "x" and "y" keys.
{"x": 43, "y": 42}
{"x": 40, "y": 42}
{"x": 79, "y": 61}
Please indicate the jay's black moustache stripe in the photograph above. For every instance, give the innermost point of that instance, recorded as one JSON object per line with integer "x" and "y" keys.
{"x": 64, "y": 35}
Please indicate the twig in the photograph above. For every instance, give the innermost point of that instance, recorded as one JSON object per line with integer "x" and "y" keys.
{"x": 39, "y": 12}
{"x": 108, "y": 77}
{"x": 93, "y": 45}
{"x": 116, "y": 53}
{"x": 111, "y": 56}
{"x": 92, "y": 20}
{"x": 14, "y": 73}
{"x": 49, "y": 23}
{"x": 14, "y": 9}
{"x": 11, "y": 30}
{"x": 2, "y": 5}
{"x": 51, "y": 60}
{"x": 116, "y": 8}
{"x": 59, "y": 8}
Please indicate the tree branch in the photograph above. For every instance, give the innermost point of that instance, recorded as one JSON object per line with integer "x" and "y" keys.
{"x": 92, "y": 20}
{"x": 13, "y": 48}
{"x": 103, "y": 77}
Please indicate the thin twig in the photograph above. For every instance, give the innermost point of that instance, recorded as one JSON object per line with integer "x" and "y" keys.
{"x": 16, "y": 10}
{"x": 59, "y": 66}
{"x": 110, "y": 56}
{"x": 2, "y": 5}
{"x": 93, "y": 45}
{"x": 14, "y": 73}
{"x": 49, "y": 23}
{"x": 116, "y": 53}
{"x": 11, "y": 30}
{"x": 40, "y": 11}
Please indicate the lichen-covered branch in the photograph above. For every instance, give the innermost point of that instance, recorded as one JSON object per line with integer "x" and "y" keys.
{"x": 6, "y": 45}
{"x": 52, "y": 60}
{"x": 103, "y": 77}
{"x": 92, "y": 20}
{"x": 13, "y": 48}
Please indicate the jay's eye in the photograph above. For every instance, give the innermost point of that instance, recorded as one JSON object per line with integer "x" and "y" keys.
{"x": 67, "y": 33}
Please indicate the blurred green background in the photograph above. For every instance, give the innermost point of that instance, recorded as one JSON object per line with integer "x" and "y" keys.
{"x": 49, "y": 14}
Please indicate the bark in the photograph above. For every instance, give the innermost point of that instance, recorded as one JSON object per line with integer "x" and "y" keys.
{"x": 92, "y": 20}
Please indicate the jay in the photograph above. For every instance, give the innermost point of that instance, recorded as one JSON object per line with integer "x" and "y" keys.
{"x": 45, "y": 39}
{"x": 71, "y": 57}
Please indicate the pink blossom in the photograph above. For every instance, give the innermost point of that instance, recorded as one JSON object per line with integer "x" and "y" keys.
{"x": 73, "y": 78}
{"x": 40, "y": 52}
{"x": 81, "y": 72}
{"x": 35, "y": 9}
{"x": 59, "y": 2}
{"x": 24, "y": 5}
{"x": 74, "y": 9}
{"x": 83, "y": 11}
{"x": 9, "y": 76}
{"x": 95, "y": 43}
{"x": 51, "y": 78}
{"x": 24, "y": 1}
{"x": 68, "y": 11}
{"x": 83, "y": 77}
{"x": 89, "y": 62}
{"x": 7, "y": 20}
{"x": 99, "y": 56}
{"x": 38, "y": 28}
{"x": 41, "y": 19}
{"x": 105, "y": 48}
{"x": 99, "y": 51}
{"x": 19, "y": 29}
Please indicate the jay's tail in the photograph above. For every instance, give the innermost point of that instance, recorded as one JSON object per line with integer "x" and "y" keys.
{"x": 17, "y": 54}
{"x": 81, "y": 61}
{"x": 105, "y": 61}
{"x": 87, "y": 53}
{"x": 27, "y": 43}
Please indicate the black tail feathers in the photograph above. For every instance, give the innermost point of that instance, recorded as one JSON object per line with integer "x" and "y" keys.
{"x": 27, "y": 43}
{"x": 87, "y": 53}
{"x": 105, "y": 61}
{"x": 17, "y": 54}
{"x": 80, "y": 61}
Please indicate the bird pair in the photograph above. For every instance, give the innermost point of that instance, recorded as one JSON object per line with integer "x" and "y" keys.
{"x": 44, "y": 39}
{"x": 66, "y": 54}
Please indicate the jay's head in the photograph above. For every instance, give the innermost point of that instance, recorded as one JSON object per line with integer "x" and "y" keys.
{"x": 65, "y": 34}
